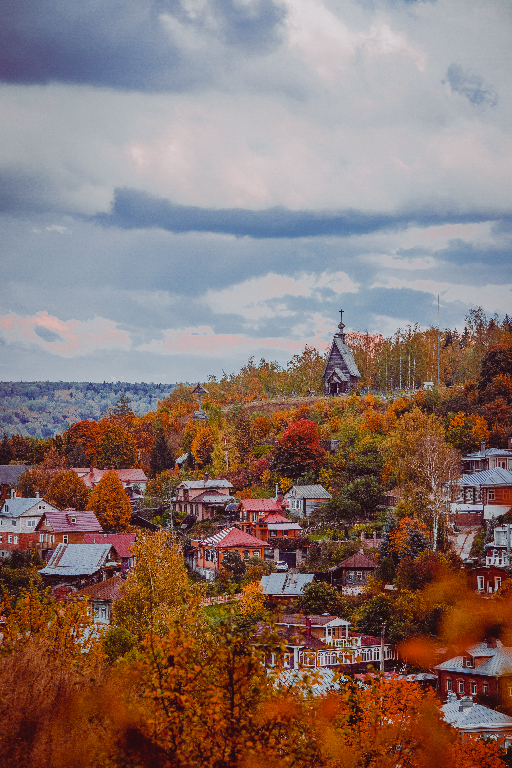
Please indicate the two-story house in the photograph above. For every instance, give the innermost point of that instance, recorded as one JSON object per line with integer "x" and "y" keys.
{"x": 122, "y": 542}
{"x": 202, "y": 498}
{"x": 487, "y": 577}
{"x": 252, "y": 511}
{"x": 63, "y": 527}
{"x": 482, "y": 496}
{"x": 101, "y": 596}
{"x": 303, "y": 500}
{"x": 18, "y": 521}
{"x": 482, "y": 669}
{"x": 488, "y": 458}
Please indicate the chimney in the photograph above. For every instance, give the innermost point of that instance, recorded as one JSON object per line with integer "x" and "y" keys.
{"x": 466, "y": 702}
{"x": 13, "y": 493}
{"x": 308, "y": 626}
{"x": 491, "y": 642}
{"x": 206, "y": 477}
{"x": 451, "y": 697}
{"x": 279, "y": 493}
{"x": 37, "y": 494}
{"x": 482, "y": 446}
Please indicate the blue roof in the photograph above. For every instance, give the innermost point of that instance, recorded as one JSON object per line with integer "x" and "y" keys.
{"x": 287, "y": 584}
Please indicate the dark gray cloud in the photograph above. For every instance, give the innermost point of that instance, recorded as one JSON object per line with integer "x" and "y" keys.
{"x": 133, "y": 209}
{"x": 471, "y": 85}
{"x": 125, "y": 44}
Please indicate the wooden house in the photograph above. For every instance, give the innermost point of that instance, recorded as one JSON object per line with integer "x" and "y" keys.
{"x": 341, "y": 373}
{"x": 352, "y": 572}
{"x": 63, "y": 527}
{"x": 18, "y": 521}
{"x": 303, "y": 500}
{"x": 202, "y": 498}
{"x": 206, "y": 555}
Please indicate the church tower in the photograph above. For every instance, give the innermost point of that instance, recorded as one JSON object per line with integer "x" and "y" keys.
{"x": 341, "y": 373}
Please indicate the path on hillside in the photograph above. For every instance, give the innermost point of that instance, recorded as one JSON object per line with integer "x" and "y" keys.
{"x": 463, "y": 542}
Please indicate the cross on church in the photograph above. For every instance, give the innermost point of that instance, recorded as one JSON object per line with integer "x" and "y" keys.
{"x": 341, "y": 325}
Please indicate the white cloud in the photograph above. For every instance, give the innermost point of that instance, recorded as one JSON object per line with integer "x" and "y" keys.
{"x": 258, "y": 297}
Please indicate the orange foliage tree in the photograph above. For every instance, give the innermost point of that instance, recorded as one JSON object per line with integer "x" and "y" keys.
{"x": 68, "y": 491}
{"x": 202, "y": 446}
{"x": 298, "y": 451}
{"x": 110, "y": 503}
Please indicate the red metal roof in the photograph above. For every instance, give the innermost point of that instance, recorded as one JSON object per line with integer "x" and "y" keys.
{"x": 121, "y": 541}
{"x": 262, "y": 505}
{"x": 237, "y": 538}
{"x": 274, "y": 517}
{"x": 126, "y": 476}
{"x": 60, "y": 521}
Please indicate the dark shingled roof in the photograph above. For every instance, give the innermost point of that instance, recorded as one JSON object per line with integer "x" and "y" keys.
{"x": 356, "y": 561}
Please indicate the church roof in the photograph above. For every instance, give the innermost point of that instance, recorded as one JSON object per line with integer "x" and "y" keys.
{"x": 340, "y": 350}
{"x": 347, "y": 356}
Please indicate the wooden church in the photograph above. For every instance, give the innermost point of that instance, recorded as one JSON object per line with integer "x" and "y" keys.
{"x": 341, "y": 373}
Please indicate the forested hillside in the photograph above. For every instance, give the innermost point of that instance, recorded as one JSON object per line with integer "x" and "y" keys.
{"x": 45, "y": 408}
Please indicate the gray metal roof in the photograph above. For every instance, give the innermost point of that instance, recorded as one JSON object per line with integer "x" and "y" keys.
{"x": 78, "y": 559}
{"x": 318, "y": 681}
{"x": 487, "y": 452}
{"x": 9, "y": 473}
{"x": 205, "y": 484}
{"x": 16, "y": 507}
{"x": 473, "y": 716}
{"x": 496, "y": 476}
{"x": 287, "y": 584}
{"x": 308, "y": 492}
{"x": 499, "y": 663}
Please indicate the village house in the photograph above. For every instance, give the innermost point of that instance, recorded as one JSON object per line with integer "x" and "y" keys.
{"x": 488, "y": 458}
{"x": 482, "y": 496}
{"x": 316, "y": 642}
{"x": 341, "y": 373}
{"x": 252, "y": 511}
{"x": 131, "y": 479}
{"x": 101, "y": 597}
{"x": 122, "y": 543}
{"x": 487, "y": 577}
{"x": 62, "y": 527}
{"x": 18, "y": 521}
{"x": 202, "y": 498}
{"x": 484, "y": 669}
{"x": 9, "y": 476}
{"x": 284, "y": 589}
{"x": 303, "y": 500}
{"x": 352, "y": 572}
{"x": 74, "y": 566}
{"x": 206, "y": 555}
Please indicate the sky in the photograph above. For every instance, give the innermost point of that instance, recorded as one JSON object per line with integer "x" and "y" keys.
{"x": 185, "y": 184}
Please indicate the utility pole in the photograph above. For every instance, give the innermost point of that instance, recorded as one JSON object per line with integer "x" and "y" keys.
{"x": 438, "y": 379}
{"x": 382, "y": 646}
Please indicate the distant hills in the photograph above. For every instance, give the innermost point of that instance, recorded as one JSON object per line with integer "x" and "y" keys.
{"x": 46, "y": 408}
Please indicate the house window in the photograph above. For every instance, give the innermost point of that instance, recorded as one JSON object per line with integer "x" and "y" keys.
{"x": 468, "y": 661}
{"x": 461, "y": 686}
{"x": 273, "y": 534}
{"x": 285, "y": 533}
{"x": 0, "y": 537}
{"x": 497, "y": 583}
{"x": 359, "y": 576}
{"x": 41, "y": 538}
{"x": 246, "y": 554}
{"x": 448, "y": 685}
{"x": 480, "y": 583}
{"x": 473, "y": 688}
{"x": 15, "y": 539}
{"x": 9, "y": 539}
{"x": 486, "y": 688}
{"x": 65, "y": 538}
{"x": 491, "y": 494}
{"x": 510, "y": 690}
{"x": 14, "y": 523}
{"x": 207, "y": 554}
{"x": 73, "y": 520}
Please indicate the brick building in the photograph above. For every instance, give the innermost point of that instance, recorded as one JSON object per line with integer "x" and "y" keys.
{"x": 18, "y": 521}
{"x": 482, "y": 670}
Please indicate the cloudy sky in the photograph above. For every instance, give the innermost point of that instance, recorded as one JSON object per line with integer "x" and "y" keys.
{"x": 186, "y": 183}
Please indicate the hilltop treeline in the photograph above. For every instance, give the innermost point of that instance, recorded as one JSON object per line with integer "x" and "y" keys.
{"x": 42, "y": 409}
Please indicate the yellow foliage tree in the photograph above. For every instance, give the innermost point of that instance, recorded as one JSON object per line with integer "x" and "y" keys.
{"x": 202, "y": 446}
{"x": 158, "y": 592}
{"x": 110, "y": 503}
{"x": 252, "y": 602}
